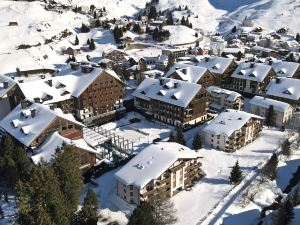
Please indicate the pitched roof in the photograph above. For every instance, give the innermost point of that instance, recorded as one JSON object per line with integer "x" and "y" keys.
{"x": 3, "y": 81}
{"x": 171, "y": 91}
{"x": 284, "y": 68}
{"x": 215, "y": 64}
{"x": 228, "y": 122}
{"x": 267, "y": 102}
{"x": 187, "y": 72}
{"x": 230, "y": 95}
{"x": 47, "y": 150}
{"x": 152, "y": 161}
{"x": 256, "y": 73}
{"x": 285, "y": 88}
{"x": 20, "y": 124}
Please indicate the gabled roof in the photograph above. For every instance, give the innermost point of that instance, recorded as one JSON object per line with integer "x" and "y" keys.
{"x": 267, "y": 102}
{"x": 285, "y": 88}
{"x": 20, "y": 124}
{"x": 47, "y": 150}
{"x": 228, "y": 122}
{"x": 187, "y": 72}
{"x": 4, "y": 80}
{"x": 152, "y": 161}
{"x": 144, "y": 87}
{"x": 171, "y": 91}
{"x": 284, "y": 68}
{"x": 215, "y": 64}
{"x": 256, "y": 73}
{"x": 230, "y": 95}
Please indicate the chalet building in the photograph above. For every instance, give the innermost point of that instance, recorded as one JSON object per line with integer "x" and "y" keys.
{"x": 171, "y": 101}
{"x": 285, "y": 90}
{"x": 47, "y": 150}
{"x": 252, "y": 78}
{"x": 221, "y": 99}
{"x": 200, "y": 51}
{"x": 232, "y": 130}
{"x": 221, "y": 67}
{"x": 163, "y": 169}
{"x": 116, "y": 55}
{"x": 7, "y": 88}
{"x": 283, "y": 111}
{"x": 177, "y": 52}
{"x": 264, "y": 52}
{"x": 30, "y": 123}
{"x": 91, "y": 94}
{"x": 192, "y": 74}
{"x": 284, "y": 68}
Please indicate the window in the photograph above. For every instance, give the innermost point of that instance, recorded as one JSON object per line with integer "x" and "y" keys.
{"x": 131, "y": 187}
{"x": 131, "y": 193}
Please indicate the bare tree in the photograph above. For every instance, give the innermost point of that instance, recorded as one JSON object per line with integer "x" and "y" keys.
{"x": 164, "y": 210}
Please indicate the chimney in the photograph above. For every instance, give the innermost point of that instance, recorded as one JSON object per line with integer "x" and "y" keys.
{"x": 278, "y": 80}
{"x": 23, "y": 104}
{"x": 21, "y": 81}
{"x": 43, "y": 76}
{"x": 206, "y": 59}
{"x": 176, "y": 84}
{"x": 86, "y": 69}
{"x": 184, "y": 71}
{"x": 74, "y": 65}
{"x": 270, "y": 62}
{"x": 37, "y": 100}
{"x": 50, "y": 83}
{"x": 161, "y": 81}
{"x": 33, "y": 113}
{"x": 5, "y": 84}
{"x": 252, "y": 65}
{"x": 52, "y": 107}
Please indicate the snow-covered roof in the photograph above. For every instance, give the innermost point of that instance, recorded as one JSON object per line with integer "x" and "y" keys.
{"x": 283, "y": 68}
{"x": 4, "y": 80}
{"x": 215, "y": 64}
{"x": 144, "y": 53}
{"x": 285, "y": 88}
{"x": 144, "y": 87}
{"x": 171, "y": 91}
{"x": 230, "y": 95}
{"x": 228, "y": 122}
{"x": 130, "y": 34}
{"x": 257, "y": 72}
{"x": 65, "y": 85}
{"x": 187, "y": 72}
{"x": 20, "y": 124}
{"x": 47, "y": 150}
{"x": 267, "y": 102}
{"x": 152, "y": 161}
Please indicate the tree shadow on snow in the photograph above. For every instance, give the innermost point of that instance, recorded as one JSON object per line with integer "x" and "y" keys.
{"x": 246, "y": 218}
{"x": 230, "y": 5}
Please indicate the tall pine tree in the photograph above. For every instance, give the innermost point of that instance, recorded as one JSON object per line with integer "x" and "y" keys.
{"x": 286, "y": 148}
{"x": 236, "y": 174}
{"x": 270, "y": 117}
{"x": 180, "y": 136}
{"x": 270, "y": 169}
{"x": 197, "y": 141}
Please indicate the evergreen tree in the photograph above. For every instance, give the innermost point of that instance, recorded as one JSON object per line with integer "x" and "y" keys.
{"x": 285, "y": 213}
{"x": 197, "y": 44}
{"x": 183, "y": 22}
{"x": 291, "y": 58}
{"x": 66, "y": 165}
{"x": 88, "y": 42}
{"x": 179, "y": 8}
{"x": 187, "y": 22}
{"x": 186, "y": 7}
{"x": 76, "y": 40}
{"x": 152, "y": 13}
{"x": 234, "y": 29}
{"x": 171, "y": 60}
{"x": 223, "y": 54}
{"x": 172, "y": 137}
{"x": 270, "y": 169}
{"x": 236, "y": 174}
{"x": 40, "y": 200}
{"x": 191, "y": 25}
{"x": 136, "y": 28}
{"x": 92, "y": 45}
{"x": 286, "y": 148}
{"x": 170, "y": 19}
{"x": 95, "y": 15}
{"x": 197, "y": 141}
{"x": 104, "y": 9}
{"x": 296, "y": 196}
{"x": 297, "y": 38}
{"x": 88, "y": 213}
{"x": 84, "y": 28}
{"x": 97, "y": 23}
{"x": 155, "y": 34}
{"x": 1, "y": 213}
{"x": 239, "y": 56}
{"x": 196, "y": 35}
{"x": 270, "y": 117}
{"x": 180, "y": 136}
{"x": 144, "y": 214}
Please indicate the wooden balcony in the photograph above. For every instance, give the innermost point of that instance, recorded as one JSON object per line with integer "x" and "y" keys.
{"x": 178, "y": 167}
{"x": 166, "y": 180}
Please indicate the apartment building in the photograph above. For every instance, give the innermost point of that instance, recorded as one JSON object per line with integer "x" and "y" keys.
{"x": 283, "y": 111}
{"x": 252, "y": 78}
{"x": 163, "y": 169}
{"x": 232, "y": 130}
{"x": 284, "y": 68}
{"x": 221, "y": 99}
{"x": 171, "y": 101}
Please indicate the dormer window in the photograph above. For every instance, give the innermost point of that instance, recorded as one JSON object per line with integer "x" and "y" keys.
{"x": 161, "y": 92}
{"x": 60, "y": 85}
{"x": 174, "y": 97}
{"x": 242, "y": 72}
{"x": 252, "y": 75}
{"x": 65, "y": 93}
{"x": 287, "y": 92}
{"x": 143, "y": 92}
